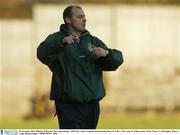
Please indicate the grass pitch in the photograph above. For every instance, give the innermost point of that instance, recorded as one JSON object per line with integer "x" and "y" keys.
{"x": 106, "y": 121}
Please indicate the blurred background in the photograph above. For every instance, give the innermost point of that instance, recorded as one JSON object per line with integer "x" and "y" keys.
{"x": 143, "y": 93}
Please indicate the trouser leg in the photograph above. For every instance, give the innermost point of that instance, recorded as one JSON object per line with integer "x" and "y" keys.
{"x": 77, "y": 116}
{"x": 68, "y": 115}
{"x": 92, "y": 116}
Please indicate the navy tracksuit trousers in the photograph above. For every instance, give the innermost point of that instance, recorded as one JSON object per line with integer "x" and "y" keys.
{"x": 77, "y": 116}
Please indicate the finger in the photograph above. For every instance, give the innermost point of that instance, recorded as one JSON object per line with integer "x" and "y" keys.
{"x": 75, "y": 38}
{"x": 98, "y": 49}
{"x": 95, "y": 48}
{"x": 98, "y": 54}
{"x": 70, "y": 41}
{"x": 95, "y": 52}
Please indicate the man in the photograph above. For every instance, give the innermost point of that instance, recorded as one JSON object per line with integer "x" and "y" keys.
{"x": 77, "y": 59}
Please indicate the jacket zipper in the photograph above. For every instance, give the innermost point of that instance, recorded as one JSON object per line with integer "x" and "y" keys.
{"x": 78, "y": 47}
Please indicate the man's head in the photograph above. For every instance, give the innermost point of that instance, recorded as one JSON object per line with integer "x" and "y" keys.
{"x": 74, "y": 18}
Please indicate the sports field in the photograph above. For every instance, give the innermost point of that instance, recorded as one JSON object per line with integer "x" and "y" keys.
{"x": 106, "y": 121}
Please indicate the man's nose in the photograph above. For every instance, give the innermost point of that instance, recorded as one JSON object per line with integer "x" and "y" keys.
{"x": 84, "y": 19}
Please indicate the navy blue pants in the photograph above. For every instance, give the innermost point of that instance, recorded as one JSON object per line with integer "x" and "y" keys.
{"x": 77, "y": 116}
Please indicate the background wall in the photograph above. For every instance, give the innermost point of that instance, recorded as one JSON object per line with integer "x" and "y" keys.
{"x": 16, "y": 67}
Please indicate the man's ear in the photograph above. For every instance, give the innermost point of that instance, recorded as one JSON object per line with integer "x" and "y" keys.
{"x": 68, "y": 20}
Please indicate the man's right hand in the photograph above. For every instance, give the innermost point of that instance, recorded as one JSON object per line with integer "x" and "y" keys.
{"x": 70, "y": 39}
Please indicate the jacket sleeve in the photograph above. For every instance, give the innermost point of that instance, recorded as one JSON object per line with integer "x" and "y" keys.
{"x": 48, "y": 50}
{"x": 112, "y": 61}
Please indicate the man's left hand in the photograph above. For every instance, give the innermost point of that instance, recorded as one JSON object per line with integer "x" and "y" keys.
{"x": 98, "y": 52}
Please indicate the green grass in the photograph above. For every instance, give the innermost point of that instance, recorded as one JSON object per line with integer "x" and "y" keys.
{"x": 140, "y": 121}
{"x": 106, "y": 121}
{"x": 50, "y": 123}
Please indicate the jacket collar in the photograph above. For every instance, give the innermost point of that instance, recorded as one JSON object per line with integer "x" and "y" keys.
{"x": 65, "y": 30}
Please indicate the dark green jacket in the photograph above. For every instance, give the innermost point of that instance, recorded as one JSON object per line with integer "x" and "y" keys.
{"x": 77, "y": 76}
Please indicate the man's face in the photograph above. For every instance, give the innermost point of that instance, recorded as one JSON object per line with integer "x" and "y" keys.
{"x": 78, "y": 20}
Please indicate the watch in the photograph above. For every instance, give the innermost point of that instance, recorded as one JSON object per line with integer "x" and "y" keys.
{"x": 107, "y": 52}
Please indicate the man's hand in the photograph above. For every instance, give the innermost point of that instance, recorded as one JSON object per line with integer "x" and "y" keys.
{"x": 99, "y": 52}
{"x": 70, "y": 39}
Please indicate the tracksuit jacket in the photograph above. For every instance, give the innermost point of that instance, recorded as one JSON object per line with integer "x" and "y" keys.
{"x": 76, "y": 74}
